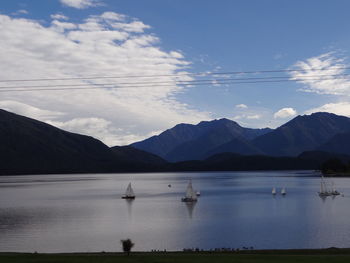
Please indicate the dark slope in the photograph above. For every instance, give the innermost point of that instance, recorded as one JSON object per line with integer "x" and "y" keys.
{"x": 133, "y": 156}
{"x": 340, "y": 143}
{"x": 186, "y": 141}
{"x": 236, "y": 162}
{"x": 303, "y": 133}
{"x": 239, "y": 146}
{"x": 216, "y": 141}
{"x": 322, "y": 156}
{"x": 29, "y": 146}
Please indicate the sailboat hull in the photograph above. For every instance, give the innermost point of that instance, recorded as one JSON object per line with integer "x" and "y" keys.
{"x": 128, "y": 197}
{"x": 187, "y": 199}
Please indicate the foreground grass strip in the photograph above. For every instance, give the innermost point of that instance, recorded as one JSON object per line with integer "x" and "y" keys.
{"x": 170, "y": 258}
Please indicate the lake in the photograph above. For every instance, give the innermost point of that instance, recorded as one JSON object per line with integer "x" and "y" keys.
{"x": 85, "y": 212}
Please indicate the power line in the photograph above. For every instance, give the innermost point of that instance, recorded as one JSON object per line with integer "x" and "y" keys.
{"x": 176, "y": 75}
{"x": 86, "y": 87}
{"x": 179, "y": 82}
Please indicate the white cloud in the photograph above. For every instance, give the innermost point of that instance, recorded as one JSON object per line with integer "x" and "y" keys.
{"x": 241, "y": 106}
{"x": 62, "y": 26}
{"x": 339, "y": 108}
{"x": 29, "y": 111}
{"x": 94, "y": 47}
{"x": 285, "y": 113}
{"x": 80, "y": 4}
{"x": 59, "y": 16}
{"x": 323, "y": 75}
{"x": 20, "y": 12}
{"x": 135, "y": 26}
{"x": 253, "y": 117}
{"x": 113, "y": 16}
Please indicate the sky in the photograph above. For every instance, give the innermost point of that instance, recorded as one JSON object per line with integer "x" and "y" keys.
{"x": 122, "y": 71}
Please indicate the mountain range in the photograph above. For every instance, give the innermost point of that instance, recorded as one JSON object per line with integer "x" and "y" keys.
{"x": 318, "y": 131}
{"x": 29, "y": 146}
{"x": 197, "y": 142}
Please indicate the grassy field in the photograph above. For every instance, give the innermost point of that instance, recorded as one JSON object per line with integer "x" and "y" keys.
{"x": 285, "y": 257}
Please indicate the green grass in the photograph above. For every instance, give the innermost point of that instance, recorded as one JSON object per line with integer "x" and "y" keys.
{"x": 175, "y": 257}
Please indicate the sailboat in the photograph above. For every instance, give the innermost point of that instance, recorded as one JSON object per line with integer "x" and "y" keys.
{"x": 283, "y": 191}
{"x": 129, "y": 193}
{"x": 191, "y": 195}
{"x": 273, "y": 191}
{"x": 334, "y": 191}
{"x": 323, "y": 189}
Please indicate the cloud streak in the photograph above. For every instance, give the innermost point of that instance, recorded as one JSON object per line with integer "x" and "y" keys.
{"x": 323, "y": 74}
{"x": 80, "y": 4}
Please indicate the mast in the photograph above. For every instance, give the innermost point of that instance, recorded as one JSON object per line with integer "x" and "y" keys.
{"x": 129, "y": 191}
{"x": 190, "y": 193}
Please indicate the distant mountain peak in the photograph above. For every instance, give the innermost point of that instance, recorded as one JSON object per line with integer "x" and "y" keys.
{"x": 188, "y": 141}
{"x": 302, "y": 133}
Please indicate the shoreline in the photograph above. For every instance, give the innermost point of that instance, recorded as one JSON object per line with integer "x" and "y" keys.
{"x": 303, "y": 251}
{"x": 334, "y": 255}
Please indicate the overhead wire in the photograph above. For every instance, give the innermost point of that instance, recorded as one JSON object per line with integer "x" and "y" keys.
{"x": 180, "y": 74}
{"x": 112, "y": 86}
{"x": 179, "y": 82}
{"x": 192, "y": 82}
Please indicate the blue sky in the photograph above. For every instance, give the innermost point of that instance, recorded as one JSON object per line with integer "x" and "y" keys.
{"x": 80, "y": 38}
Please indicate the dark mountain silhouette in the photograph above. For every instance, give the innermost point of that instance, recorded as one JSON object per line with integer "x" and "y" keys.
{"x": 237, "y": 162}
{"x": 312, "y": 160}
{"x": 240, "y": 146}
{"x": 30, "y": 146}
{"x": 339, "y": 143}
{"x": 303, "y": 133}
{"x": 322, "y": 156}
{"x": 195, "y": 142}
{"x": 131, "y": 155}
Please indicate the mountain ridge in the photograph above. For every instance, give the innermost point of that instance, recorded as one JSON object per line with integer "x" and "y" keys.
{"x": 30, "y": 146}
{"x": 33, "y": 147}
{"x": 303, "y": 133}
{"x": 188, "y": 141}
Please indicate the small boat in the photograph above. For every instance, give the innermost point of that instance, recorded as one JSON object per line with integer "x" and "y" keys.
{"x": 323, "y": 189}
{"x": 283, "y": 191}
{"x": 129, "y": 193}
{"x": 190, "y": 194}
{"x": 198, "y": 193}
{"x": 273, "y": 191}
{"x": 334, "y": 191}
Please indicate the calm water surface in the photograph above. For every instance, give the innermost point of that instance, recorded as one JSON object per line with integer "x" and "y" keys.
{"x": 65, "y": 213}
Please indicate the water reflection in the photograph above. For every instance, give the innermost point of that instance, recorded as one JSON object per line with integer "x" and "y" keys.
{"x": 129, "y": 203}
{"x": 190, "y": 207}
{"x": 323, "y": 198}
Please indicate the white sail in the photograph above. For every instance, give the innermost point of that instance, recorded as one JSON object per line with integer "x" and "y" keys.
{"x": 324, "y": 191}
{"x": 283, "y": 191}
{"x": 129, "y": 191}
{"x": 273, "y": 191}
{"x": 190, "y": 195}
{"x": 322, "y": 188}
